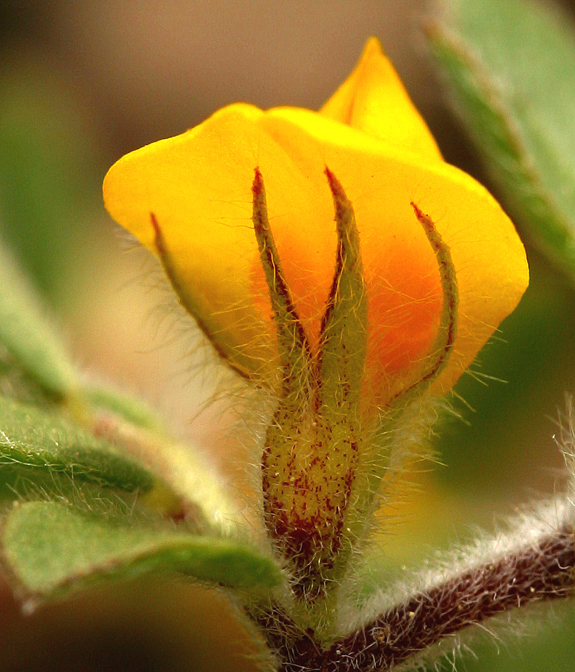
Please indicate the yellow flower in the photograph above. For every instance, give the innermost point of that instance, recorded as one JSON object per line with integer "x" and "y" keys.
{"x": 342, "y": 322}
{"x": 198, "y": 186}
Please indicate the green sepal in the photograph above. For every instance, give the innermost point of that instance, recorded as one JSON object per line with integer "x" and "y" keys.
{"x": 37, "y": 446}
{"x": 510, "y": 65}
{"x": 312, "y": 447}
{"x": 293, "y": 345}
{"x": 442, "y": 347}
{"x": 344, "y": 328}
{"x": 49, "y": 549}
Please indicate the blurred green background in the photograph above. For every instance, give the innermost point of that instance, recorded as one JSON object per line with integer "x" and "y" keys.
{"x": 81, "y": 83}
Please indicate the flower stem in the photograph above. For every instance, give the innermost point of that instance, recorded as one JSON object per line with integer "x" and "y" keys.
{"x": 540, "y": 568}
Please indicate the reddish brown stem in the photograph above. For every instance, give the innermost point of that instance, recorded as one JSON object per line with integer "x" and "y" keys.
{"x": 541, "y": 571}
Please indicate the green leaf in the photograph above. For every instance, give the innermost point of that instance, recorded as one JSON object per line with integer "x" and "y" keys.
{"x": 38, "y": 445}
{"x": 50, "y": 548}
{"x": 130, "y": 408}
{"x": 50, "y": 176}
{"x": 511, "y": 69}
{"x": 27, "y": 334}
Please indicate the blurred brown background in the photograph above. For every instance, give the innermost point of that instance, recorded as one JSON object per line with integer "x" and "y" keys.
{"x": 83, "y": 82}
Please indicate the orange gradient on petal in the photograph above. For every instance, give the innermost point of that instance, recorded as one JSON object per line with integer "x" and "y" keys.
{"x": 404, "y": 302}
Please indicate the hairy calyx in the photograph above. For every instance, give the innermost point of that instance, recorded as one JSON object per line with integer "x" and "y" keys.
{"x": 317, "y": 485}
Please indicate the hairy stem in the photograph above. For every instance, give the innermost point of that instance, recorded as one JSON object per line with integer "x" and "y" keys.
{"x": 540, "y": 568}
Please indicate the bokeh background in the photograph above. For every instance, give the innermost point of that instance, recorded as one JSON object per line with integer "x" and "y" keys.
{"x": 83, "y": 82}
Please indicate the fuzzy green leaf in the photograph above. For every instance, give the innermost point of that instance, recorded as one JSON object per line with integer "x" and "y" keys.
{"x": 511, "y": 69}
{"x": 38, "y": 445}
{"x": 50, "y": 548}
{"x": 28, "y": 336}
{"x": 130, "y": 408}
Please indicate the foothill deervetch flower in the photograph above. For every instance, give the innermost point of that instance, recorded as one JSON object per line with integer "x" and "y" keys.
{"x": 346, "y": 324}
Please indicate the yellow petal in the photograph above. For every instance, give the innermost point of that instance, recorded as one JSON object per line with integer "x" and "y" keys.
{"x": 198, "y": 186}
{"x": 373, "y": 100}
{"x": 402, "y": 279}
